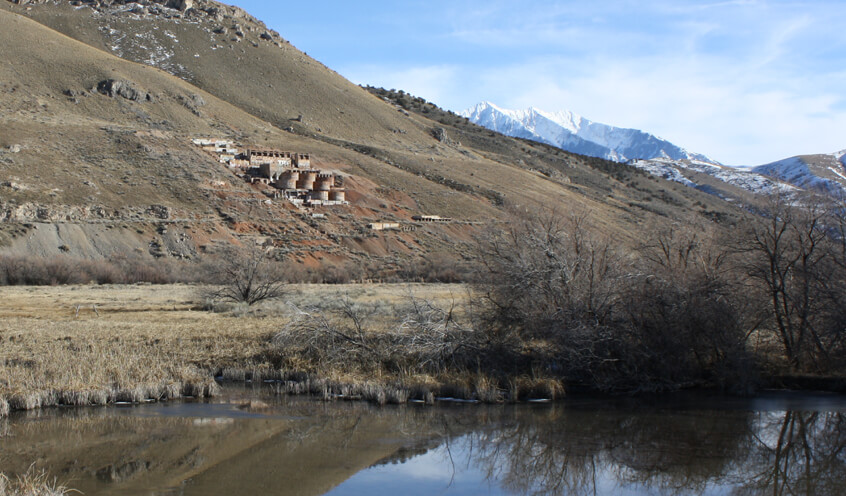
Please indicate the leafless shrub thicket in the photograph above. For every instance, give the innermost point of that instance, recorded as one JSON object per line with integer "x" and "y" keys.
{"x": 438, "y": 267}
{"x": 660, "y": 317}
{"x": 678, "y": 310}
{"x": 119, "y": 269}
{"x": 426, "y": 340}
{"x": 123, "y": 269}
{"x": 684, "y": 310}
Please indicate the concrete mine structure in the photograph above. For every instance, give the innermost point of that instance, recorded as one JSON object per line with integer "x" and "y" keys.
{"x": 273, "y": 157}
{"x": 301, "y": 160}
{"x": 307, "y": 180}
{"x": 318, "y": 195}
{"x": 324, "y": 182}
{"x": 271, "y": 171}
{"x": 288, "y": 172}
{"x": 289, "y": 179}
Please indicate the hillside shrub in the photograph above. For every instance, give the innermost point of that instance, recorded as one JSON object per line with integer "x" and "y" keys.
{"x": 64, "y": 269}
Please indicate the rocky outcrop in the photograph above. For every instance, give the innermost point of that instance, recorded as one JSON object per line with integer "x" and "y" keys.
{"x": 32, "y": 212}
{"x": 209, "y": 10}
{"x": 180, "y": 4}
{"x": 173, "y": 4}
{"x": 441, "y": 135}
{"x": 209, "y": 7}
{"x": 123, "y": 88}
{"x": 37, "y": 212}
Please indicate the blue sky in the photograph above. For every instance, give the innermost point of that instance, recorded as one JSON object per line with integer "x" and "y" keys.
{"x": 744, "y": 81}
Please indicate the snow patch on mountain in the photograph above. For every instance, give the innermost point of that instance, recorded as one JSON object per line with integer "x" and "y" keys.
{"x": 752, "y": 182}
{"x": 675, "y": 170}
{"x": 574, "y": 133}
{"x": 663, "y": 168}
{"x": 837, "y": 173}
{"x": 147, "y": 48}
{"x": 809, "y": 172}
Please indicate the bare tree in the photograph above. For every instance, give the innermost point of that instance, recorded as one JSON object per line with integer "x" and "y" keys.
{"x": 835, "y": 330}
{"x": 839, "y": 226}
{"x": 248, "y": 276}
{"x": 793, "y": 257}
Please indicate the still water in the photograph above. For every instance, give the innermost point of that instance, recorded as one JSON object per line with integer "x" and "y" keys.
{"x": 251, "y": 442}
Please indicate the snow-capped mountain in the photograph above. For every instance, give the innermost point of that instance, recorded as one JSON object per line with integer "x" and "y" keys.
{"x": 576, "y": 134}
{"x": 824, "y": 173}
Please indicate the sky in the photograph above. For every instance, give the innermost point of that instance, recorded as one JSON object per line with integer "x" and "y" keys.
{"x": 745, "y": 82}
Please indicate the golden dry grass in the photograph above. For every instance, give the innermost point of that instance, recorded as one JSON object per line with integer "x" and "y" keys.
{"x": 140, "y": 342}
{"x": 32, "y": 483}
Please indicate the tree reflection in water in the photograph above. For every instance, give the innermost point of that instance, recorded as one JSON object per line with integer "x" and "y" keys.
{"x": 679, "y": 452}
{"x": 301, "y": 446}
{"x": 796, "y": 453}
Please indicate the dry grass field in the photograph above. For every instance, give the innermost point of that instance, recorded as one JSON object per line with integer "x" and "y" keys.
{"x": 100, "y": 344}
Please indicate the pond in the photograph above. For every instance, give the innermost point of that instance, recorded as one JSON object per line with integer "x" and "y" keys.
{"x": 253, "y": 442}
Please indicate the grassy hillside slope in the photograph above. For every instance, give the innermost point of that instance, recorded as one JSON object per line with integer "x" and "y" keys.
{"x": 83, "y": 167}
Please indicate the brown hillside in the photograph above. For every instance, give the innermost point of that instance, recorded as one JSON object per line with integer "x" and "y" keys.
{"x": 93, "y": 170}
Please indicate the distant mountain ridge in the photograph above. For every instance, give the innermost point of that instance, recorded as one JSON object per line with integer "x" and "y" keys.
{"x": 821, "y": 173}
{"x": 574, "y": 133}
{"x": 825, "y": 173}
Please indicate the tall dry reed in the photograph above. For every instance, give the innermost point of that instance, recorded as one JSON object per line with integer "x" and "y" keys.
{"x": 32, "y": 483}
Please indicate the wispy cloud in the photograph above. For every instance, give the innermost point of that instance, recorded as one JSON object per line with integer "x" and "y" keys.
{"x": 435, "y": 83}
{"x": 744, "y": 81}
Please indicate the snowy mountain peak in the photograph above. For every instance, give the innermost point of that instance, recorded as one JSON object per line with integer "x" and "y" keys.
{"x": 572, "y": 132}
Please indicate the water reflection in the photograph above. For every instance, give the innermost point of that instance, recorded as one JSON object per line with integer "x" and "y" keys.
{"x": 641, "y": 451}
{"x": 585, "y": 451}
{"x": 796, "y": 453}
{"x": 299, "y": 446}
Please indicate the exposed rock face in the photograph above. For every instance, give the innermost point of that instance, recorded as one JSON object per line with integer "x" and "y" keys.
{"x": 209, "y": 7}
{"x": 38, "y": 212}
{"x": 181, "y": 9}
{"x": 441, "y": 135}
{"x": 173, "y": 4}
{"x": 32, "y": 212}
{"x": 123, "y": 88}
{"x": 181, "y": 4}
{"x": 159, "y": 211}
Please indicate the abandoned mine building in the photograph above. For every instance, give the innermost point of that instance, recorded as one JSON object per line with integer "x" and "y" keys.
{"x": 289, "y": 173}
